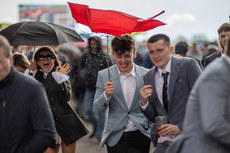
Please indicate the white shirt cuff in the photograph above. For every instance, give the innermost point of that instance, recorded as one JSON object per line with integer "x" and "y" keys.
{"x": 30, "y": 73}
{"x": 144, "y": 107}
{"x": 60, "y": 77}
{"x": 107, "y": 99}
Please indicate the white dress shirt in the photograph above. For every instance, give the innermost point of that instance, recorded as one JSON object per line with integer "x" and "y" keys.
{"x": 128, "y": 85}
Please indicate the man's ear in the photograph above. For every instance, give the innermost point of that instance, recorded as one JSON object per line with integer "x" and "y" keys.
{"x": 134, "y": 53}
{"x": 11, "y": 60}
{"x": 171, "y": 49}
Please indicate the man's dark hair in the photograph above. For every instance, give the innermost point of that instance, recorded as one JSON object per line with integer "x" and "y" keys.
{"x": 181, "y": 48}
{"x": 157, "y": 37}
{"x": 122, "y": 44}
{"x": 224, "y": 27}
{"x": 97, "y": 40}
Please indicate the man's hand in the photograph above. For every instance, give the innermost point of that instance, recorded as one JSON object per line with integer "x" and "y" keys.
{"x": 145, "y": 93}
{"x": 109, "y": 89}
{"x": 65, "y": 69}
{"x": 168, "y": 129}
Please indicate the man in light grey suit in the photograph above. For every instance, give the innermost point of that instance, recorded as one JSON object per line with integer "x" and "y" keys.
{"x": 127, "y": 130}
{"x": 207, "y": 120}
{"x": 167, "y": 95}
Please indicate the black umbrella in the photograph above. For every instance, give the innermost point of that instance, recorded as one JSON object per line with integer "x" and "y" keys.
{"x": 39, "y": 33}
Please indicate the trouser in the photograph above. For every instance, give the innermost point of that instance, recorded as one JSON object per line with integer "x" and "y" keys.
{"x": 160, "y": 148}
{"x": 131, "y": 142}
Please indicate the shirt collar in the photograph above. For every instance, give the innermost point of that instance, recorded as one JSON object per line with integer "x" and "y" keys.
{"x": 167, "y": 68}
{"x": 132, "y": 72}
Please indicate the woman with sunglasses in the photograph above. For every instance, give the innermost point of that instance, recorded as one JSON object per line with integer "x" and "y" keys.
{"x": 47, "y": 69}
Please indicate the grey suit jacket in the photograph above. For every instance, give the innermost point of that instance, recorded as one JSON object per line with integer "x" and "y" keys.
{"x": 118, "y": 113}
{"x": 207, "y": 120}
{"x": 184, "y": 72}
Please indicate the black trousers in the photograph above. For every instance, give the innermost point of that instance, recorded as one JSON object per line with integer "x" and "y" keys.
{"x": 131, "y": 142}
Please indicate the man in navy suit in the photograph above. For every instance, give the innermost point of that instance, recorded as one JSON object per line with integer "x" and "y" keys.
{"x": 127, "y": 130}
{"x": 167, "y": 87}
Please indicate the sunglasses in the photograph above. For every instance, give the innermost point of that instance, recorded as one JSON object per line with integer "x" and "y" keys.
{"x": 48, "y": 57}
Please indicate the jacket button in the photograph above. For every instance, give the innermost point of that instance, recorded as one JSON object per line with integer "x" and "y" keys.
{"x": 52, "y": 99}
{"x": 54, "y": 109}
{"x": 128, "y": 112}
{"x": 56, "y": 118}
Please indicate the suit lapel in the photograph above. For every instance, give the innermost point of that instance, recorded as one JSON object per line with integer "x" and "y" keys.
{"x": 139, "y": 84}
{"x": 173, "y": 77}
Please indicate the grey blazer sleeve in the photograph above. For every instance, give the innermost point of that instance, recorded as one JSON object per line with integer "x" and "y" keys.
{"x": 149, "y": 111}
{"x": 214, "y": 107}
{"x": 194, "y": 72}
{"x": 100, "y": 103}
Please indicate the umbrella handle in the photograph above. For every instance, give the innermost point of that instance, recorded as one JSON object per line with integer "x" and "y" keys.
{"x": 107, "y": 37}
{"x": 158, "y": 14}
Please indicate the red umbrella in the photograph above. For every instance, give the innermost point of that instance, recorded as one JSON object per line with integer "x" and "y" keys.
{"x": 110, "y": 21}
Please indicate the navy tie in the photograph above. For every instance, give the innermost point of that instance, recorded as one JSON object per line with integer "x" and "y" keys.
{"x": 164, "y": 92}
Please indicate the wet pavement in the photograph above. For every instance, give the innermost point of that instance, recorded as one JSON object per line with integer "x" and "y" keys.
{"x": 87, "y": 145}
{"x": 91, "y": 145}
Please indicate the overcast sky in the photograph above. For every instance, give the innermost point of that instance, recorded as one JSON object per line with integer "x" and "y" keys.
{"x": 183, "y": 17}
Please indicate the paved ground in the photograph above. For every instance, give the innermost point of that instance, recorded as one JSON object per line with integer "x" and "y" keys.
{"x": 87, "y": 145}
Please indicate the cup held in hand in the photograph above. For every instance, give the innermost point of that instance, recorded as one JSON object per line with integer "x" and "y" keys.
{"x": 160, "y": 120}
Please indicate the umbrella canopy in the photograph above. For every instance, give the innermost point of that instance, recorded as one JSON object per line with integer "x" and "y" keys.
{"x": 39, "y": 33}
{"x": 111, "y": 22}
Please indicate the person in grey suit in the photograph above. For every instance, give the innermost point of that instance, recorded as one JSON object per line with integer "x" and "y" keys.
{"x": 167, "y": 95}
{"x": 207, "y": 120}
{"x": 127, "y": 130}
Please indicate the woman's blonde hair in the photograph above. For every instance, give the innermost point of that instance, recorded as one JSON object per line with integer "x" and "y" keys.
{"x": 21, "y": 60}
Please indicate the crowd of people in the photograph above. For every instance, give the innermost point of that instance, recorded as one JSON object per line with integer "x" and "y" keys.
{"x": 121, "y": 94}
